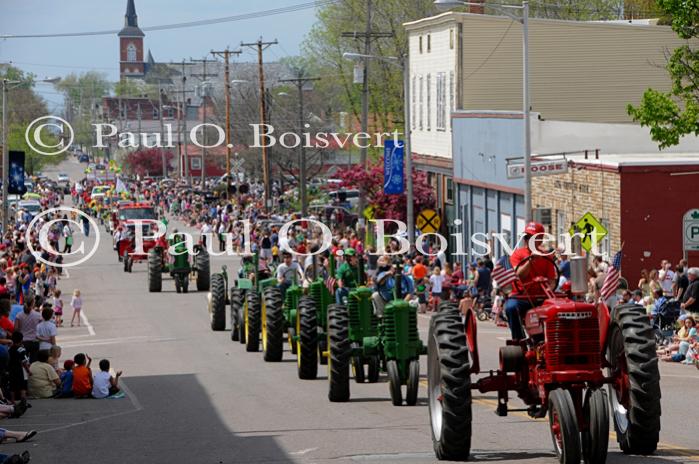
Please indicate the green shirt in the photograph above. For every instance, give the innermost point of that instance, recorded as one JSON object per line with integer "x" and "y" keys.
{"x": 347, "y": 274}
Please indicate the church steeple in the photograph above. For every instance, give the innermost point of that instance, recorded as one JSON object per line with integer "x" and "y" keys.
{"x": 131, "y": 28}
{"x": 131, "y": 18}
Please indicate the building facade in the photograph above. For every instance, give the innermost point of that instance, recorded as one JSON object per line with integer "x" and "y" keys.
{"x": 131, "y": 63}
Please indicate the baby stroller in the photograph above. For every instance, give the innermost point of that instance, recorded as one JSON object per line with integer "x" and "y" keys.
{"x": 665, "y": 321}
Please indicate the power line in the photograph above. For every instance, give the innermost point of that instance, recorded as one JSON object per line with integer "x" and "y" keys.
{"x": 204, "y": 22}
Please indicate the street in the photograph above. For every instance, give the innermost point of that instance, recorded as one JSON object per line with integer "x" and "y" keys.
{"x": 194, "y": 396}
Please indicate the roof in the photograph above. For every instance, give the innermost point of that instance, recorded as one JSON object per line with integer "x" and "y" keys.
{"x": 131, "y": 28}
{"x": 640, "y": 159}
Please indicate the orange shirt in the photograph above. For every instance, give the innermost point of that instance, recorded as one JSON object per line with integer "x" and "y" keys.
{"x": 82, "y": 381}
{"x": 419, "y": 271}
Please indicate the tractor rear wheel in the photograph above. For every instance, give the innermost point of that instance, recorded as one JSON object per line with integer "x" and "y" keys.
{"x": 358, "y": 368}
{"x": 595, "y": 440}
{"x": 252, "y": 311}
{"x": 307, "y": 345}
{"x": 394, "y": 384}
{"x": 374, "y": 369}
{"x": 413, "y": 383}
{"x": 218, "y": 302}
{"x": 449, "y": 387}
{"x": 564, "y": 427}
{"x": 340, "y": 352}
{"x": 155, "y": 266}
{"x": 236, "y": 297}
{"x": 635, "y": 395}
{"x": 273, "y": 329}
{"x": 203, "y": 271}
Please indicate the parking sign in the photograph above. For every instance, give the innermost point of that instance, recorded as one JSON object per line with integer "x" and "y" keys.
{"x": 690, "y": 230}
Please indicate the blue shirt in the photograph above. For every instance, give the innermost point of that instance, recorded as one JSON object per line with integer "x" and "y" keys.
{"x": 565, "y": 269}
{"x": 67, "y": 382}
{"x": 658, "y": 303}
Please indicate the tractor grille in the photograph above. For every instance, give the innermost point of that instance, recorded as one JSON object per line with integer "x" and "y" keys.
{"x": 571, "y": 342}
{"x": 355, "y": 316}
{"x": 391, "y": 318}
{"x": 315, "y": 291}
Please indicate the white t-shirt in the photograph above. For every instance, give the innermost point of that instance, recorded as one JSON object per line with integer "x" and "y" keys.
{"x": 45, "y": 330}
{"x": 100, "y": 386}
{"x": 436, "y": 283}
{"x": 287, "y": 273}
{"x": 666, "y": 281}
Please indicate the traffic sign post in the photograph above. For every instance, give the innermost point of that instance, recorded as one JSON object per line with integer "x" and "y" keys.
{"x": 592, "y": 229}
{"x": 690, "y": 231}
{"x": 428, "y": 221}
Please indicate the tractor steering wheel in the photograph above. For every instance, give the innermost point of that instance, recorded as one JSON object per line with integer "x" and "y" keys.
{"x": 538, "y": 282}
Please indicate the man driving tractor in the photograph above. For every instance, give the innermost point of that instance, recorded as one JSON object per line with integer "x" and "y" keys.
{"x": 347, "y": 275}
{"x": 528, "y": 267}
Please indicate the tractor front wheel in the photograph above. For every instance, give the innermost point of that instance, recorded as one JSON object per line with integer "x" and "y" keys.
{"x": 273, "y": 328}
{"x": 449, "y": 387}
{"x": 374, "y": 368}
{"x": 413, "y": 383}
{"x": 236, "y": 297}
{"x": 595, "y": 440}
{"x": 307, "y": 345}
{"x": 340, "y": 352}
{"x": 635, "y": 395}
{"x": 358, "y": 368}
{"x": 564, "y": 427}
{"x": 155, "y": 267}
{"x": 394, "y": 383}
{"x": 203, "y": 269}
{"x": 218, "y": 302}
{"x": 251, "y": 312}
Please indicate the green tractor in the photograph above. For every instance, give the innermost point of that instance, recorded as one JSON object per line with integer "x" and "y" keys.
{"x": 177, "y": 264}
{"x": 310, "y": 328}
{"x": 357, "y": 336}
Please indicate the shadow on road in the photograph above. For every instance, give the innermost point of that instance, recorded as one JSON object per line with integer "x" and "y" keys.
{"x": 172, "y": 420}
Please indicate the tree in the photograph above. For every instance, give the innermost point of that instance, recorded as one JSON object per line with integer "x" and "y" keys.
{"x": 148, "y": 162}
{"x": 82, "y": 94}
{"x": 385, "y": 206}
{"x": 674, "y": 114}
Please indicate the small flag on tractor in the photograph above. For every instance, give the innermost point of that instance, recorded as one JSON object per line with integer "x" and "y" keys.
{"x": 330, "y": 284}
{"x": 611, "y": 281}
{"x": 503, "y": 273}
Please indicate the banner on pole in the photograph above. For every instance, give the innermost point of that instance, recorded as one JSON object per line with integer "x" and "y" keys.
{"x": 15, "y": 184}
{"x": 393, "y": 167}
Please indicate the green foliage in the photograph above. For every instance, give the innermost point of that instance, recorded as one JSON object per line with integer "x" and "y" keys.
{"x": 83, "y": 93}
{"x": 674, "y": 114}
{"x": 135, "y": 88}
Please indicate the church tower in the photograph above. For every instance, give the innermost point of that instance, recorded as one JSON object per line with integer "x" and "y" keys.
{"x": 131, "y": 45}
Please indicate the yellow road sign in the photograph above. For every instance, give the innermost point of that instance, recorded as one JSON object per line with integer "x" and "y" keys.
{"x": 591, "y": 228}
{"x": 369, "y": 212}
{"x": 428, "y": 221}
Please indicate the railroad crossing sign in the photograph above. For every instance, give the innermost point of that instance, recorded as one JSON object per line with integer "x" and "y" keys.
{"x": 690, "y": 230}
{"x": 591, "y": 228}
{"x": 428, "y": 221}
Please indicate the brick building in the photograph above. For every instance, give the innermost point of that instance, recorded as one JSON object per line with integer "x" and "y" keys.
{"x": 640, "y": 198}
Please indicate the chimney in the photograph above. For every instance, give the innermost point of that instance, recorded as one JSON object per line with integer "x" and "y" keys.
{"x": 477, "y": 9}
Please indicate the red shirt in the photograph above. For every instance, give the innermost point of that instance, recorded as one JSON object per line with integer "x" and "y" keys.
{"x": 541, "y": 266}
{"x": 7, "y": 325}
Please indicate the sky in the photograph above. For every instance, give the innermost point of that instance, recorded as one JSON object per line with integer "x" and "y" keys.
{"x": 51, "y": 57}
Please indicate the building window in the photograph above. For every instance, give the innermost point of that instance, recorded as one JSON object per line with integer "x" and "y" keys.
{"x": 441, "y": 101}
{"x": 131, "y": 52}
{"x": 420, "y": 44}
{"x": 413, "y": 114}
{"x": 429, "y": 101}
{"x": 429, "y": 43}
{"x": 605, "y": 247}
{"x": 451, "y": 39}
{"x": 422, "y": 106}
{"x": 449, "y": 190}
{"x": 561, "y": 226}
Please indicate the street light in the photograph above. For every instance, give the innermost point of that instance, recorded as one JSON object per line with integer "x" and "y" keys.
{"x": 6, "y": 85}
{"x": 405, "y": 69}
{"x": 524, "y": 21}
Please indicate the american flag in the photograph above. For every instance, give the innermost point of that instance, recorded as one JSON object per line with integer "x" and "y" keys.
{"x": 611, "y": 282}
{"x": 330, "y": 284}
{"x": 503, "y": 273}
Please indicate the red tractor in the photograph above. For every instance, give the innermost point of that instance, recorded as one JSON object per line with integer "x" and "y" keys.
{"x": 126, "y": 247}
{"x": 571, "y": 351}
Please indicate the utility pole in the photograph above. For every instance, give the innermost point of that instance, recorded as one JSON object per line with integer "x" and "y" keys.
{"x": 300, "y": 82}
{"x": 204, "y": 98}
{"x": 226, "y": 54}
{"x": 183, "y": 136}
{"x": 160, "y": 115}
{"x": 261, "y": 46}
{"x": 367, "y": 35}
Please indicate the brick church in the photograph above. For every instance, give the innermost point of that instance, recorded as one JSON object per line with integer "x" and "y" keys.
{"x": 131, "y": 63}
